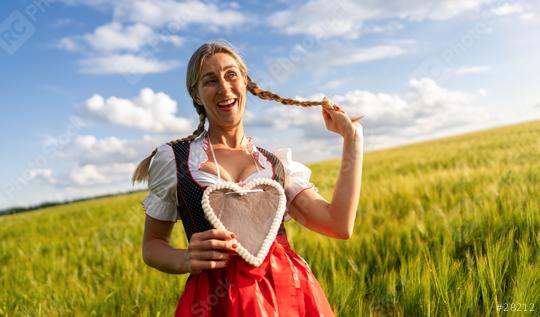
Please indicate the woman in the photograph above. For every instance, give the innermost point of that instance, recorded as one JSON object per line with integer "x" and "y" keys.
{"x": 221, "y": 283}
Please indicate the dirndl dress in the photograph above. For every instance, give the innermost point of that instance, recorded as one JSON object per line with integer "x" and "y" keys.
{"x": 283, "y": 285}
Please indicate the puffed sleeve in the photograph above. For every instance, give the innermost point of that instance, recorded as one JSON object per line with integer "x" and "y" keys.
{"x": 161, "y": 200}
{"x": 297, "y": 175}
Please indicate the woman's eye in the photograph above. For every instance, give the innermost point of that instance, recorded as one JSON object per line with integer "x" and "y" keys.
{"x": 232, "y": 74}
{"x": 210, "y": 81}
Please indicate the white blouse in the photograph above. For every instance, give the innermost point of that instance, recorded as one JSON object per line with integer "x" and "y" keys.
{"x": 162, "y": 182}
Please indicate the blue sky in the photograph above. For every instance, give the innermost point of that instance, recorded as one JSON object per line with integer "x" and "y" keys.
{"x": 90, "y": 87}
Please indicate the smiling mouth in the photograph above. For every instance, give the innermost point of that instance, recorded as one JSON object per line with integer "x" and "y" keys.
{"x": 227, "y": 104}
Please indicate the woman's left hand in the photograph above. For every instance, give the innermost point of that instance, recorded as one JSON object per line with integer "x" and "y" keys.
{"x": 338, "y": 121}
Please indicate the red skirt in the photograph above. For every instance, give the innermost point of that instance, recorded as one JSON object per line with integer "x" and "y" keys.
{"x": 283, "y": 285}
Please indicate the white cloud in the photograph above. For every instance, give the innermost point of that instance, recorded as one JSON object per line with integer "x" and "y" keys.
{"x": 103, "y": 151}
{"x": 329, "y": 55}
{"x": 43, "y": 176}
{"x": 285, "y": 117}
{"x": 86, "y": 175}
{"x": 89, "y": 175}
{"x": 178, "y": 15}
{"x": 68, "y": 44}
{"x": 472, "y": 69}
{"x": 425, "y": 109}
{"x": 170, "y": 13}
{"x": 127, "y": 45}
{"x": 98, "y": 162}
{"x": 308, "y": 150}
{"x": 362, "y": 55}
{"x": 148, "y": 111}
{"x": 117, "y": 49}
{"x": 507, "y": 9}
{"x": 346, "y": 18}
{"x": 335, "y": 83}
{"x": 88, "y": 149}
{"x": 126, "y": 64}
{"x": 526, "y": 17}
{"x": 114, "y": 37}
{"x": 384, "y": 28}
{"x": 374, "y": 106}
{"x": 322, "y": 19}
{"x": 436, "y": 10}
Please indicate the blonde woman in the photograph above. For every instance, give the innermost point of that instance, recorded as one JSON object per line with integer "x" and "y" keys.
{"x": 220, "y": 282}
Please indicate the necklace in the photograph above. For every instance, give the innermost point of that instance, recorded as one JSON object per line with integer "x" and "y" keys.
{"x": 215, "y": 160}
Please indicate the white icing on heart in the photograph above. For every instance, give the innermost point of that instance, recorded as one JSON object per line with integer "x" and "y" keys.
{"x": 220, "y": 193}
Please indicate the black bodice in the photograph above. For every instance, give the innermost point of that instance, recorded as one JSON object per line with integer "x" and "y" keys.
{"x": 189, "y": 192}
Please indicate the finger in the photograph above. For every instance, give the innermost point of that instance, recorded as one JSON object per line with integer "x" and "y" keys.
{"x": 340, "y": 114}
{"x": 214, "y": 244}
{"x": 214, "y": 234}
{"x": 209, "y": 255}
{"x": 357, "y": 119}
{"x": 327, "y": 119}
{"x": 338, "y": 110}
{"x": 207, "y": 265}
{"x": 328, "y": 114}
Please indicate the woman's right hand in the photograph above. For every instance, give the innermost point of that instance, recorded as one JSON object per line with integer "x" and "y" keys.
{"x": 210, "y": 250}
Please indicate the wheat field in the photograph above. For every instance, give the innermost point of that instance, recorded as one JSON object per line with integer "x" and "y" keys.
{"x": 449, "y": 227}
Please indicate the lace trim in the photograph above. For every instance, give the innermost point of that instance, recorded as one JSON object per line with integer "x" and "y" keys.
{"x": 205, "y": 149}
{"x": 255, "y": 152}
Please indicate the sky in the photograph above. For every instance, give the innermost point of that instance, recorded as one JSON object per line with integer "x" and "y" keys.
{"x": 90, "y": 87}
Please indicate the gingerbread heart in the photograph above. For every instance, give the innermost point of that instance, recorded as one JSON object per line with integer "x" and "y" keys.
{"x": 253, "y": 212}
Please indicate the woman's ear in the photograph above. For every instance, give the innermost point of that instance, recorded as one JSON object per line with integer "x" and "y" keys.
{"x": 197, "y": 100}
{"x": 195, "y": 96}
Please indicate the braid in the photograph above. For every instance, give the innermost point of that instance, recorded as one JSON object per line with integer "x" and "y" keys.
{"x": 268, "y": 95}
{"x": 200, "y": 127}
{"x": 141, "y": 173}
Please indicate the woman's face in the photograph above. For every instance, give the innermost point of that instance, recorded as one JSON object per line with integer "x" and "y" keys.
{"x": 222, "y": 90}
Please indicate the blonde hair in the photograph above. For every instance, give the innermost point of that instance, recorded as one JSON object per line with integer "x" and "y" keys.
{"x": 192, "y": 77}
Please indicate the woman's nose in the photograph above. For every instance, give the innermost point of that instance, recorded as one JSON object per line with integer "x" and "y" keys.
{"x": 223, "y": 86}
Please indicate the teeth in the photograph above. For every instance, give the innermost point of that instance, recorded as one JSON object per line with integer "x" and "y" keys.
{"x": 226, "y": 102}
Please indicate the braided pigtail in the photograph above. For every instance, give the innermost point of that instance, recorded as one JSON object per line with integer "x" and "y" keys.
{"x": 142, "y": 171}
{"x": 268, "y": 95}
{"x": 200, "y": 127}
